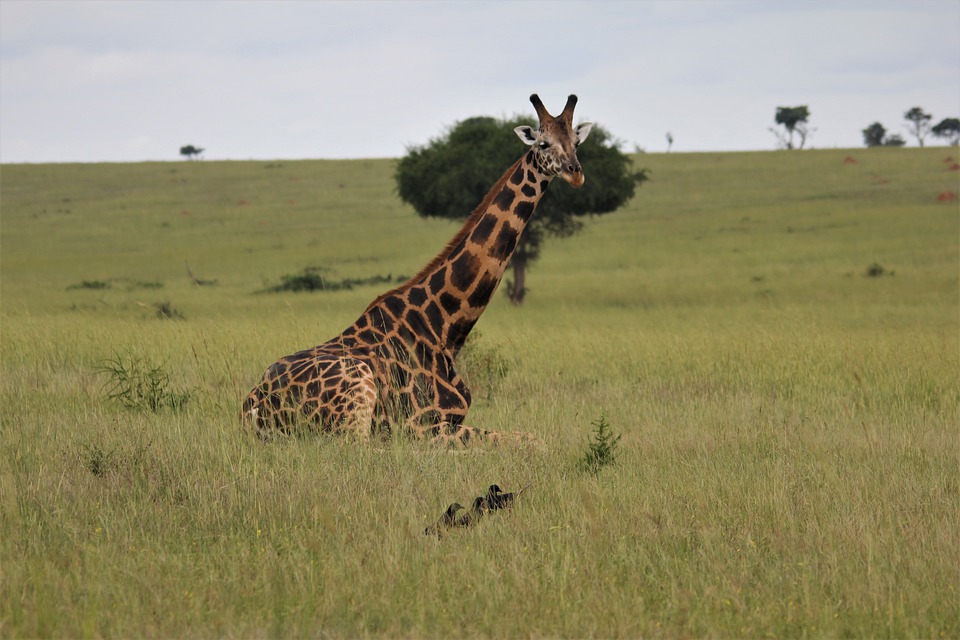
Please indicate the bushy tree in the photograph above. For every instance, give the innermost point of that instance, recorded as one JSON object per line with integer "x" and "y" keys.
{"x": 948, "y": 128}
{"x": 448, "y": 178}
{"x": 876, "y": 136}
{"x": 894, "y": 140}
{"x": 190, "y": 152}
{"x": 794, "y": 121}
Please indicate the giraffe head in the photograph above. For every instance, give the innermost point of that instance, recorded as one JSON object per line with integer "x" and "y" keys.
{"x": 555, "y": 141}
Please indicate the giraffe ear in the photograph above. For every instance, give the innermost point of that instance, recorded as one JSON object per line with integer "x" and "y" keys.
{"x": 527, "y": 134}
{"x": 583, "y": 130}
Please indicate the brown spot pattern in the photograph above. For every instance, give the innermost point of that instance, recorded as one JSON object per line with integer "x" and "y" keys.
{"x": 394, "y": 368}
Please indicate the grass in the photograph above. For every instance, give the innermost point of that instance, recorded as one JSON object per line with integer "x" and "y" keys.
{"x": 789, "y": 461}
{"x": 140, "y": 385}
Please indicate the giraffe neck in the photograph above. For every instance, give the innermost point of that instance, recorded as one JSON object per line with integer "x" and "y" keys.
{"x": 455, "y": 288}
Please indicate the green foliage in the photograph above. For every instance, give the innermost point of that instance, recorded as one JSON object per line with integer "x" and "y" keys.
{"x": 450, "y": 176}
{"x": 949, "y": 129}
{"x": 602, "y": 449}
{"x": 139, "y": 385}
{"x": 919, "y": 123}
{"x": 791, "y": 117}
{"x": 894, "y": 140}
{"x": 312, "y": 279}
{"x": 107, "y": 284}
{"x": 876, "y": 136}
{"x": 90, "y": 284}
{"x": 794, "y": 120}
{"x": 875, "y": 270}
{"x": 190, "y": 152}
{"x": 139, "y": 284}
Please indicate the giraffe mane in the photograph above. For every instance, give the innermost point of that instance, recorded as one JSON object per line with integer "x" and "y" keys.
{"x": 467, "y": 227}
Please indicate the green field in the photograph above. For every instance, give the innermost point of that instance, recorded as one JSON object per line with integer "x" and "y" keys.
{"x": 775, "y": 335}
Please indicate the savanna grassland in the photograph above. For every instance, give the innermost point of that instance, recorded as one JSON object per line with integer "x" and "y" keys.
{"x": 776, "y": 337}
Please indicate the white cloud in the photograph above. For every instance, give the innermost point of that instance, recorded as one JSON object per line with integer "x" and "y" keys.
{"x": 86, "y": 80}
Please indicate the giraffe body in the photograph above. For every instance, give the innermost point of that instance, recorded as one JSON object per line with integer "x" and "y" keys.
{"x": 393, "y": 369}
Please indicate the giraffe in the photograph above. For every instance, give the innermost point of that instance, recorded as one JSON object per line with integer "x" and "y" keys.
{"x": 393, "y": 369}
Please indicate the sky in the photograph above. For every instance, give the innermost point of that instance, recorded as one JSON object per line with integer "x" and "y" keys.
{"x": 119, "y": 81}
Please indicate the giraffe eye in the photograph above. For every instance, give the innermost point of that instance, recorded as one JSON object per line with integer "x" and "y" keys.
{"x": 544, "y": 145}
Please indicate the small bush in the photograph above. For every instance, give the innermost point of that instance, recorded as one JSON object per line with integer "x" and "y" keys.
{"x": 107, "y": 284}
{"x": 141, "y": 284}
{"x": 138, "y": 385}
{"x": 312, "y": 279}
{"x": 90, "y": 284}
{"x": 601, "y": 450}
{"x": 876, "y": 270}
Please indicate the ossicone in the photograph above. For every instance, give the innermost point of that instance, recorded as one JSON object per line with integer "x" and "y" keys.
{"x": 542, "y": 112}
{"x": 544, "y": 115}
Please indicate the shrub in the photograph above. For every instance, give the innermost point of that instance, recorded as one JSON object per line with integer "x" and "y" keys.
{"x": 139, "y": 385}
{"x": 90, "y": 284}
{"x": 601, "y": 450}
{"x": 876, "y": 270}
{"x": 312, "y": 279}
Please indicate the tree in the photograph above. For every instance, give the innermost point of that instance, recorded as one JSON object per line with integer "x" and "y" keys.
{"x": 948, "y": 128}
{"x": 919, "y": 125}
{"x": 895, "y": 140}
{"x": 190, "y": 151}
{"x": 794, "y": 120}
{"x": 448, "y": 178}
{"x": 876, "y": 136}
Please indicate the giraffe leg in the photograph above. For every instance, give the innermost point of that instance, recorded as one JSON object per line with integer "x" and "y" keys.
{"x": 260, "y": 414}
{"x": 445, "y": 426}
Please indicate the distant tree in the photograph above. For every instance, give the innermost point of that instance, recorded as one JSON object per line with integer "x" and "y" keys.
{"x": 919, "y": 123}
{"x": 190, "y": 151}
{"x": 669, "y": 141}
{"x": 876, "y": 136}
{"x": 449, "y": 177}
{"x": 895, "y": 140}
{"x": 948, "y": 128}
{"x": 794, "y": 121}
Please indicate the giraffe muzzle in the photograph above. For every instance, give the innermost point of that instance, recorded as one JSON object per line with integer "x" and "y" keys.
{"x": 573, "y": 174}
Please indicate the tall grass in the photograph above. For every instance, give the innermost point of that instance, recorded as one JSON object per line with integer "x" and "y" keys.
{"x": 789, "y": 462}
